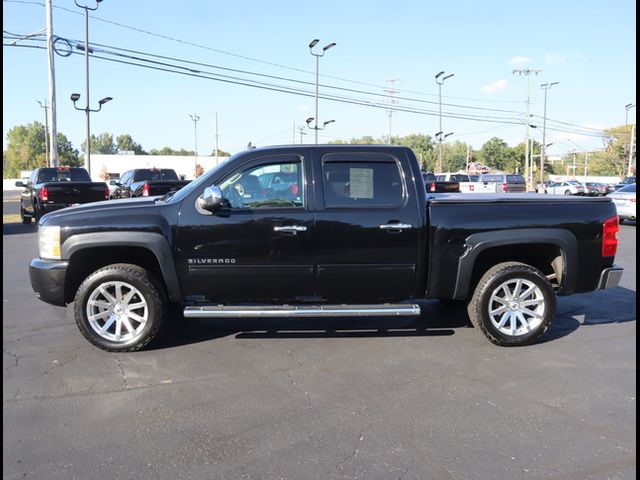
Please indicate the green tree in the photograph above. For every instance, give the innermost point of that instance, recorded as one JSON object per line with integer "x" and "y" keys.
{"x": 102, "y": 143}
{"x": 221, "y": 153}
{"x": 170, "y": 151}
{"x": 497, "y": 155}
{"x": 125, "y": 143}
{"x": 455, "y": 156}
{"x": 26, "y": 150}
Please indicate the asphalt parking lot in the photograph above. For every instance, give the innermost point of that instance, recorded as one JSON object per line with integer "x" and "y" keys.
{"x": 426, "y": 398}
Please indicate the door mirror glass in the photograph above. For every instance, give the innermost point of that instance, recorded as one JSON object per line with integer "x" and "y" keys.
{"x": 19, "y": 183}
{"x": 211, "y": 199}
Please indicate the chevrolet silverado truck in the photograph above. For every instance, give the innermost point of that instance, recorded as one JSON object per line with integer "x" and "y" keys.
{"x": 50, "y": 189}
{"x": 359, "y": 235}
{"x": 147, "y": 182}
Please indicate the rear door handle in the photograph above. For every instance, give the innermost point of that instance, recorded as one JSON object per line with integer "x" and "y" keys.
{"x": 290, "y": 229}
{"x": 396, "y": 226}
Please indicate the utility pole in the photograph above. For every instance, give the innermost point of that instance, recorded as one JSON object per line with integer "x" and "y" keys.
{"x": 293, "y": 141}
{"x": 545, "y": 87}
{"x": 46, "y": 133}
{"x": 216, "y": 138}
{"x": 195, "y": 119}
{"x": 440, "y": 80}
{"x": 527, "y": 72}
{"x": 53, "y": 136}
{"x": 302, "y": 132}
{"x": 631, "y": 144}
{"x": 392, "y": 101}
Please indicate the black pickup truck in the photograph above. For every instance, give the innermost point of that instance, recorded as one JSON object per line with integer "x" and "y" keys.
{"x": 147, "y": 182}
{"x": 50, "y": 189}
{"x": 352, "y": 233}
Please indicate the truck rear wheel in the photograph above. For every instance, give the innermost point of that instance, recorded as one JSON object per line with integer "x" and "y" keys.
{"x": 513, "y": 304}
{"x": 120, "y": 308}
{"x": 26, "y": 220}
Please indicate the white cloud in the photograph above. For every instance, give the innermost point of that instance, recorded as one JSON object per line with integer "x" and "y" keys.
{"x": 519, "y": 60}
{"x": 494, "y": 87}
{"x": 580, "y": 56}
{"x": 555, "y": 58}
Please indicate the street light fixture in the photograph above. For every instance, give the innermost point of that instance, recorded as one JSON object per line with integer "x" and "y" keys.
{"x": 545, "y": 87}
{"x": 312, "y": 44}
{"x": 74, "y": 98}
{"x": 627, "y": 107}
{"x": 87, "y": 110}
{"x": 440, "y": 80}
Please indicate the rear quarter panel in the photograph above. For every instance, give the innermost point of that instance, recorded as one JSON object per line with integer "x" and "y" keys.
{"x": 451, "y": 223}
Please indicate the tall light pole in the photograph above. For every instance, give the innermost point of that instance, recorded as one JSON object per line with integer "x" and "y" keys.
{"x": 87, "y": 156}
{"x": 74, "y": 98}
{"x": 627, "y": 107}
{"x": 46, "y": 132}
{"x": 441, "y": 137}
{"x": 312, "y": 44}
{"x": 545, "y": 87}
{"x": 440, "y": 80}
{"x": 316, "y": 128}
{"x": 195, "y": 119}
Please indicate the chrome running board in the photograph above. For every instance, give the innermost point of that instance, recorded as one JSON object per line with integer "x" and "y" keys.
{"x": 224, "y": 311}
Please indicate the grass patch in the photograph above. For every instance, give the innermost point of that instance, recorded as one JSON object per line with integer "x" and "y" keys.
{"x": 11, "y": 218}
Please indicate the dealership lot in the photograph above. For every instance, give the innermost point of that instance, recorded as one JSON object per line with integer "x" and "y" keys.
{"x": 426, "y": 398}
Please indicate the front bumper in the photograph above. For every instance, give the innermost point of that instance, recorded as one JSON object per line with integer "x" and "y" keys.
{"x": 47, "y": 280}
{"x": 610, "y": 277}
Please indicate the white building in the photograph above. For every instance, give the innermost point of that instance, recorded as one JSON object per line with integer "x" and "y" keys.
{"x": 116, "y": 165}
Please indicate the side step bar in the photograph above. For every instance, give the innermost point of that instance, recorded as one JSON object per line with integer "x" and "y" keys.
{"x": 223, "y": 311}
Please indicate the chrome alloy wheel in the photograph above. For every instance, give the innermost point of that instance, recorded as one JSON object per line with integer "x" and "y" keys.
{"x": 117, "y": 311}
{"x": 516, "y": 307}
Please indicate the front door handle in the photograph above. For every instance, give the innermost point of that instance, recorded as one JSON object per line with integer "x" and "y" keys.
{"x": 395, "y": 227}
{"x": 290, "y": 229}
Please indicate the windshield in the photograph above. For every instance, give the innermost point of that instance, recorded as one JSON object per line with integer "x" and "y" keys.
{"x": 195, "y": 185}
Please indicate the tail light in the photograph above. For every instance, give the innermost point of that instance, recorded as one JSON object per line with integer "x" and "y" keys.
{"x": 471, "y": 188}
{"x": 610, "y": 230}
{"x": 295, "y": 190}
{"x": 632, "y": 200}
{"x": 505, "y": 189}
{"x": 432, "y": 187}
{"x": 106, "y": 192}
{"x": 145, "y": 190}
{"x": 44, "y": 194}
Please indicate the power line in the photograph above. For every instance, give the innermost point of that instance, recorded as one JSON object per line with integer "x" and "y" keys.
{"x": 187, "y": 71}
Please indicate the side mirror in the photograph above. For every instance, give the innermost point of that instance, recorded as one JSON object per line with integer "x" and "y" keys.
{"x": 211, "y": 199}
{"x": 20, "y": 183}
{"x": 114, "y": 182}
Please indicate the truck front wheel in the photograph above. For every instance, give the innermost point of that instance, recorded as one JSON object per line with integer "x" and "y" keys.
{"x": 513, "y": 304}
{"x": 120, "y": 308}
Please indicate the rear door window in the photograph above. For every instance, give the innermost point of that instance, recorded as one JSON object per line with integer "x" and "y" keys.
{"x": 372, "y": 180}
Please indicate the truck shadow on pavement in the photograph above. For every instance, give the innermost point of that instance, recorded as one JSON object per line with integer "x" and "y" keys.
{"x": 617, "y": 305}
{"x": 18, "y": 228}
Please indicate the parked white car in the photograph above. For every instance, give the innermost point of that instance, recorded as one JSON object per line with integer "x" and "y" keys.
{"x": 625, "y": 200}
{"x": 570, "y": 187}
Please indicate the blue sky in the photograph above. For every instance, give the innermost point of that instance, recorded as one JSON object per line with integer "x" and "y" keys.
{"x": 588, "y": 46}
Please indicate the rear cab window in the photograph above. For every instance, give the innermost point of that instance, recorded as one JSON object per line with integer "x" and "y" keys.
{"x": 63, "y": 174}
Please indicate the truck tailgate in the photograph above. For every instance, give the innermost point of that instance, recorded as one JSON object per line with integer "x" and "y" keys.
{"x": 73, "y": 193}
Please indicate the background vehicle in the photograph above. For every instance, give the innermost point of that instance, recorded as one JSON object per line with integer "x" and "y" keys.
{"x": 626, "y": 181}
{"x": 50, "y": 189}
{"x": 507, "y": 182}
{"x": 570, "y": 187}
{"x": 625, "y": 201}
{"x": 433, "y": 185}
{"x": 597, "y": 188}
{"x": 147, "y": 182}
{"x": 452, "y": 177}
{"x": 363, "y": 238}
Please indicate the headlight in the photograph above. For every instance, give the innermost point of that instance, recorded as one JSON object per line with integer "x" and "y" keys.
{"x": 49, "y": 242}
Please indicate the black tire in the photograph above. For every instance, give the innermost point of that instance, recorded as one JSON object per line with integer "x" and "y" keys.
{"x": 25, "y": 220}
{"x": 142, "y": 323}
{"x": 491, "y": 306}
{"x": 37, "y": 213}
{"x": 567, "y": 192}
